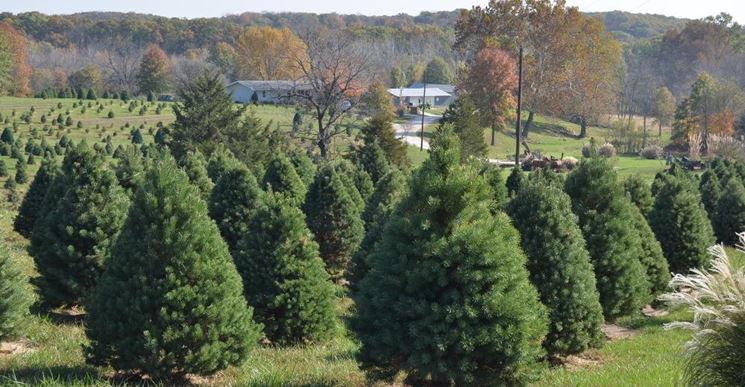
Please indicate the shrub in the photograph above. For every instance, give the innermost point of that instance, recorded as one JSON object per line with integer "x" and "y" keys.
{"x": 110, "y": 114}
{"x": 715, "y": 297}
{"x": 446, "y": 269}
{"x": 30, "y": 210}
{"x": 588, "y": 150}
{"x": 282, "y": 179}
{"x": 651, "y": 152}
{"x": 680, "y": 224}
{"x": 285, "y": 279}
{"x": 233, "y": 200}
{"x": 170, "y": 301}
{"x": 607, "y": 150}
{"x": 615, "y": 248}
{"x": 569, "y": 162}
{"x": 640, "y": 193}
{"x": 334, "y": 218}
{"x": 559, "y": 267}
{"x": 68, "y": 255}
{"x": 15, "y": 297}
{"x": 378, "y": 209}
{"x": 730, "y": 213}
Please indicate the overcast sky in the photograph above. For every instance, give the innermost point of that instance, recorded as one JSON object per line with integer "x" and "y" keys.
{"x": 208, "y": 8}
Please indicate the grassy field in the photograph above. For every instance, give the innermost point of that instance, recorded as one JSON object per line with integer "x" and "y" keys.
{"x": 54, "y": 342}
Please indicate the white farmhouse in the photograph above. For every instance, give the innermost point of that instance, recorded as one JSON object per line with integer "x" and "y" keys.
{"x": 276, "y": 92}
{"x": 412, "y": 97}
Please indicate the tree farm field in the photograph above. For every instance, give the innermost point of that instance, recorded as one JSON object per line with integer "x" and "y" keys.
{"x": 51, "y": 352}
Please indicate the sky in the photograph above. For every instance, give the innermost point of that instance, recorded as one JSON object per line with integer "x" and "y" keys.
{"x": 210, "y": 8}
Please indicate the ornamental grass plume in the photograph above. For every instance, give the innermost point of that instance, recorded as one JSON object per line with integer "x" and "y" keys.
{"x": 716, "y": 296}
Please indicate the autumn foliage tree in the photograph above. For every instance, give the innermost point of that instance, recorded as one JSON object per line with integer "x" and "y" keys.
{"x": 15, "y": 71}
{"x": 268, "y": 53}
{"x": 153, "y": 74}
{"x": 490, "y": 81}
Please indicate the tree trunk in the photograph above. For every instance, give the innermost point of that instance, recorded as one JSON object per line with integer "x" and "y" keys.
{"x": 660, "y": 134}
{"x": 531, "y": 114}
{"x": 322, "y": 145}
{"x": 582, "y": 127}
{"x": 644, "y": 125}
{"x": 493, "y": 135}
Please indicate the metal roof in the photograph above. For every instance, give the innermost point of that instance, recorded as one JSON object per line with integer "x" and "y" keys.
{"x": 259, "y": 85}
{"x": 409, "y": 92}
{"x": 444, "y": 87}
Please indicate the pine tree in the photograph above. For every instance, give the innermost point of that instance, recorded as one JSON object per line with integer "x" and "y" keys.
{"x": 71, "y": 242}
{"x": 387, "y": 194}
{"x": 559, "y": 267}
{"x": 514, "y": 181}
{"x": 379, "y": 128}
{"x": 615, "y": 248}
{"x": 233, "y": 200}
{"x": 15, "y": 297}
{"x": 130, "y": 169}
{"x": 303, "y": 166}
{"x": 640, "y": 193}
{"x": 711, "y": 191}
{"x": 170, "y": 300}
{"x": 282, "y": 179}
{"x": 7, "y": 136}
{"x": 195, "y": 166}
{"x": 284, "y": 276}
{"x": 20, "y": 176}
{"x": 137, "y": 136}
{"x": 349, "y": 176}
{"x": 30, "y": 210}
{"x": 730, "y": 213}
{"x": 447, "y": 298}
{"x": 681, "y": 225}
{"x": 371, "y": 158}
{"x": 334, "y": 218}
{"x": 493, "y": 176}
{"x": 652, "y": 258}
{"x": 3, "y": 169}
{"x": 220, "y": 161}
{"x": 464, "y": 118}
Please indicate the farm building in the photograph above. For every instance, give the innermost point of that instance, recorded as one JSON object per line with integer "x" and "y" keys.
{"x": 413, "y": 96}
{"x": 277, "y": 92}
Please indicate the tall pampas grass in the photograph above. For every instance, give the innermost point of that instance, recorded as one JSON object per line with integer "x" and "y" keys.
{"x": 716, "y": 296}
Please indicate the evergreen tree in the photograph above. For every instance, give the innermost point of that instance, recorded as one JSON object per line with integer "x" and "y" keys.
{"x": 334, "y": 218}
{"x": 640, "y": 193}
{"x": 71, "y": 242}
{"x": 7, "y": 136}
{"x": 493, "y": 176}
{"x": 137, "y": 136}
{"x": 233, "y": 200}
{"x": 380, "y": 128}
{"x": 284, "y": 276}
{"x": 221, "y": 161}
{"x": 447, "y": 299}
{"x": 711, "y": 191}
{"x": 605, "y": 216}
{"x": 559, "y": 267}
{"x": 20, "y": 176}
{"x": 3, "y": 169}
{"x": 387, "y": 194}
{"x": 170, "y": 300}
{"x": 195, "y": 166}
{"x": 652, "y": 258}
{"x": 303, "y": 166}
{"x": 30, "y": 210}
{"x": 680, "y": 223}
{"x": 130, "y": 169}
{"x": 514, "y": 181}
{"x": 161, "y": 137}
{"x": 15, "y": 297}
{"x": 281, "y": 178}
{"x": 349, "y": 176}
{"x": 464, "y": 118}
{"x": 372, "y": 160}
{"x": 730, "y": 213}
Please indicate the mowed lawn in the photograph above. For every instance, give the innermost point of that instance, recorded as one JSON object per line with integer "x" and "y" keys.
{"x": 53, "y": 343}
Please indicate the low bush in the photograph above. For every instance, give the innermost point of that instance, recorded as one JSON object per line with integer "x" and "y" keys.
{"x": 651, "y": 152}
{"x": 607, "y": 150}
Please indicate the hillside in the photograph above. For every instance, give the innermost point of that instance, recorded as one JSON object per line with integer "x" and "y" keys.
{"x": 628, "y": 27}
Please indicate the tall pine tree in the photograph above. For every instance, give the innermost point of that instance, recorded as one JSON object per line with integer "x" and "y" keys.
{"x": 73, "y": 240}
{"x": 195, "y": 166}
{"x": 170, "y": 301}
{"x": 447, "y": 299}
{"x": 285, "y": 279}
{"x": 31, "y": 207}
{"x": 640, "y": 193}
{"x": 281, "y": 178}
{"x": 233, "y": 200}
{"x": 615, "y": 248}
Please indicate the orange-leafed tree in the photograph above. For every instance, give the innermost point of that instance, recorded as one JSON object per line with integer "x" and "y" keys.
{"x": 154, "y": 70}
{"x": 15, "y": 71}
{"x": 268, "y": 53}
{"x": 491, "y": 80}
{"x": 722, "y": 123}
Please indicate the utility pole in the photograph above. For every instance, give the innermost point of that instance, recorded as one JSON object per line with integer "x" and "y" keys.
{"x": 422, "y": 105}
{"x": 519, "y": 107}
